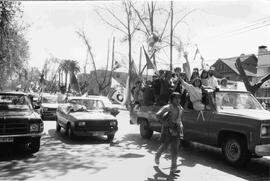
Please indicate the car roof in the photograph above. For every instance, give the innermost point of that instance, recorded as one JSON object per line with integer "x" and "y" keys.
{"x": 88, "y": 97}
{"x": 14, "y": 93}
{"x": 48, "y": 95}
{"x": 229, "y": 90}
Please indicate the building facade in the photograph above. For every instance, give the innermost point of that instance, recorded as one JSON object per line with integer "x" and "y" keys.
{"x": 225, "y": 67}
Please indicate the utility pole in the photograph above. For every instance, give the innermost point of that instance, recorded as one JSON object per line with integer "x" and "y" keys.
{"x": 171, "y": 36}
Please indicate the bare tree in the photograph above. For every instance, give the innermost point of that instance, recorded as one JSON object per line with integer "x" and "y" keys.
{"x": 127, "y": 27}
{"x": 102, "y": 85}
{"x": 148, "y": 27}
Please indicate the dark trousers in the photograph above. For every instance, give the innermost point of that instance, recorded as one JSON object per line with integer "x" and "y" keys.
{"x": 174, "y": 143}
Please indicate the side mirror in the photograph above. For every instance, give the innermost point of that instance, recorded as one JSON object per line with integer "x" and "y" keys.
{"x": 36, "y": 106}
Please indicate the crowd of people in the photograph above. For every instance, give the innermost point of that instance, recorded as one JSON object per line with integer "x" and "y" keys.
{"x": 158, "y": 91}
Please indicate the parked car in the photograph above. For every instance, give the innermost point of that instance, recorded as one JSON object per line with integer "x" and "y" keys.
{"x": 233, "y": 121}
{"x": 48, "y": 106}
{"x": 85, "y": 116}
{"x": 20, "y": 125}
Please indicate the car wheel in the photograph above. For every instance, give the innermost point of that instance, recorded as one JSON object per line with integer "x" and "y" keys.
{"x": 235, "y": 151}
{"x": 145, "y": 130}
{"x": 110, "y": 137}
{"x": 58, "y": 127}
{"x": 69, "y": 132}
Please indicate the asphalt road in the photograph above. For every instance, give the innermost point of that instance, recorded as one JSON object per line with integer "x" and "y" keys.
{"x": 128, "y": 158}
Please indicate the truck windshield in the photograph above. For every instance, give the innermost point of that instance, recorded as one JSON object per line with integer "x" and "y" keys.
{"x": 17, "y": 103}
{"x": 236, "y": 100}
{"x": 50, "y": 99}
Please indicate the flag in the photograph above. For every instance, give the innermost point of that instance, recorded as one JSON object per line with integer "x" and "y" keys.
{"x": 196, "y": 52}
{"x": 74, "y": 85}
{"x": 202, "y": 63}
{"x": 186, "y": 67}
{"x": 117, "y": 65}
{"x": 127, "y": 94}
{"x": 149, "y": 64}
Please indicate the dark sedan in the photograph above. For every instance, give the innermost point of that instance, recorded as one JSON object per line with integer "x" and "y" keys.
{"x": 48, "y": 106}
{"x": 85, "y": 116}
{"x": 20, "y": 125}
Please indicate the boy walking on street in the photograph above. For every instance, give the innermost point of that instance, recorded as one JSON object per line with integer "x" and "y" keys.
{"x": 172, "y": 129}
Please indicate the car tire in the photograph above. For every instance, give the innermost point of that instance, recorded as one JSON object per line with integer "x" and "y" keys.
{"x": 235, "y": 152}
{"x": 145, "y": 130}
{"x": 110, "y": 137}
{"x": 58, "y": 127}
{"x": 69, "y": 132}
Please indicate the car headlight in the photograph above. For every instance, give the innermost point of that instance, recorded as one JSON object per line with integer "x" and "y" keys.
{"x": 82, "y": 123}
{"x": 113, "y": 123}
{"x": 265, "y": 130}
{"x": 45, "y": 109}
{"x": 34, "y": 127}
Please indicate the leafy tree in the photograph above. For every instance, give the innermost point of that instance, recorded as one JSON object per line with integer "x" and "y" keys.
{"x": 14, "y": 50}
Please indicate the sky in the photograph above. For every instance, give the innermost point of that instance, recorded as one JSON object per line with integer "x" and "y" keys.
{"x": 219, "y": 28}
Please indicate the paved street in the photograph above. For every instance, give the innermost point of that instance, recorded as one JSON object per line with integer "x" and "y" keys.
{"x": 129, "y": 157}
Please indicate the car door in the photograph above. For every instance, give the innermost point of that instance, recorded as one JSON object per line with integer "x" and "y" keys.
{"x": 62, "y": 115}
{"x": 196, "y": 124}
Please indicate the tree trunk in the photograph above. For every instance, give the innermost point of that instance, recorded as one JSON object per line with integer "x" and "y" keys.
{"x": 252, "y": 89}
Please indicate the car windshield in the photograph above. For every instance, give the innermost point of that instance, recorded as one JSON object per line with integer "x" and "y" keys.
{"x": 236, "y": 100}
{"x": 49, "y": 99}
{"x": 13, "y": 102}
{"x": 90, "y": 104}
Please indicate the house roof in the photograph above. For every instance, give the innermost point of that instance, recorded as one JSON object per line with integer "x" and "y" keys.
{"x": 230, "y": 62}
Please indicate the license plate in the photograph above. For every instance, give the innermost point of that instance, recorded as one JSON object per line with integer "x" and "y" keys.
{"x": 6, "y": 140}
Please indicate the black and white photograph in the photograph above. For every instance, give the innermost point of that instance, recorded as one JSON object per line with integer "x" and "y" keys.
{"x": 135, "y": 90}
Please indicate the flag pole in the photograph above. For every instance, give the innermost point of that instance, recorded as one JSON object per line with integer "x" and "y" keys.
{"x": 140, "y": 61}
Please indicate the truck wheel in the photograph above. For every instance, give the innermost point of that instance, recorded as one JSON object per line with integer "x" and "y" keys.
{"x": 145, "y": 130}
{"x": 69, "y": 132}
{"x": 235, "y": 151}
{"x": 58, "y": 127}
{"x": 34, "y": 145}
{"x": 110, "y": 137}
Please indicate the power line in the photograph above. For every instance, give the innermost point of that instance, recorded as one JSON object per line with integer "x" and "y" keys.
{"x": 260, "y": 23}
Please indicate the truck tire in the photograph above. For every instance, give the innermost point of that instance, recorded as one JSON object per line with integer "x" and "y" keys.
{"x": 145, "y": 130}
{"x": 234, "y": 150}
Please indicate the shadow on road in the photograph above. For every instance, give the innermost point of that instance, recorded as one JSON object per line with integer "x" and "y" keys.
{"x": 78, "y": 140}
{"x": 198, "y": 154}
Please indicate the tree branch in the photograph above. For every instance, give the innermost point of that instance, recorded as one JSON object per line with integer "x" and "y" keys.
{"x": 116, "y": 17}
{"x": 260, "y": 82}
{"x": 82, "y": 35}
{"x": 183, "y": 18}
{"x": 104, "y": 80}
{"x": 139, "y": 16}
{"x": 111, "y": 25}
{"x": 243, "y": 75}
{"x": 169, "y": 14}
